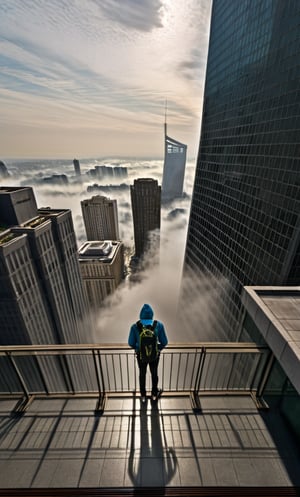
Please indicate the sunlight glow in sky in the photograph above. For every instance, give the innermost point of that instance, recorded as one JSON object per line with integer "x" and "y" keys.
{"x": 90, "y": 77}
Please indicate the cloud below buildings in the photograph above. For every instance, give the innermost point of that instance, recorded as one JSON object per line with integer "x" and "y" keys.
{"x": 159, "y": 284}
{"x": 187, "y": 318}
{"x": 69, "y": 196}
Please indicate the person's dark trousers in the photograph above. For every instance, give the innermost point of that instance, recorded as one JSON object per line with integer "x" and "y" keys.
{"x": 142, "y": 377}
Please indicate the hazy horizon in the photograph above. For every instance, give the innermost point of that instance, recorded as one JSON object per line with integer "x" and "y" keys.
{"x": 69, "y": 158}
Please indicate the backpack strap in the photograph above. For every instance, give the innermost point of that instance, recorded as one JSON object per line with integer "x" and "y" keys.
{"x": 154, "y": 324}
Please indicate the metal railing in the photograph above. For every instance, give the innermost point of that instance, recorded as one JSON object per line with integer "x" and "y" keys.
{"x": 101, "y": 369}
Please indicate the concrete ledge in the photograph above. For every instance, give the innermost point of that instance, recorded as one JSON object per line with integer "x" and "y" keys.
{"x": 276, "y": 313}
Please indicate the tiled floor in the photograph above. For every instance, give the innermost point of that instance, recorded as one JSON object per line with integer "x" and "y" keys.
{"x": 60, "y": 443}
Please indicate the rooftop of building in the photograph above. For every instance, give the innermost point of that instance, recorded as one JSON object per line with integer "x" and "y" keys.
{"x": 97, "y": 199}
{"x": 145, "y": 180}
{"x": 60, "y": 443}
{"x": 210, "y": 433}
{"x": 276, "y": 313}
{"x": 35, "y": 222}
{"x": 49, "y": 211}
{"x": 227, "y": 439}
{"x": 10, "y": 189}
{"x": 6, "y": 236}
{"x": 103, "y": 251}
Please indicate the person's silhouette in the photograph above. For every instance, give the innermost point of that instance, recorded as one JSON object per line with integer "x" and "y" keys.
{"x": 136, "y": 342}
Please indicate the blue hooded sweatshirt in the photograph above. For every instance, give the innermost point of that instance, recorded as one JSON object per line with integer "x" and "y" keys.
{"x": 146, "y": 317}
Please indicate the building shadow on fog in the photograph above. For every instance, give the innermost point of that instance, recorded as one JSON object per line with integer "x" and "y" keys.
{"x": 151, "y": 462}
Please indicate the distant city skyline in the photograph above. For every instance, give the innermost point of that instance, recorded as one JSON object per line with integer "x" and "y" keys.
{"x": 91, "y": 78}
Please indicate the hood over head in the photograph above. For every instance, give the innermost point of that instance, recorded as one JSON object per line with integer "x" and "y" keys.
{"x": 146, "y": 312}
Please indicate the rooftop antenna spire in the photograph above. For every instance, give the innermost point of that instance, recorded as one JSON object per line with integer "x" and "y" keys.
{"x": 166, "y": 110}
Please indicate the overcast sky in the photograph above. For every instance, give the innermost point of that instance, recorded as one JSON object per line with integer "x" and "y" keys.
{"x": 89, "y": 78}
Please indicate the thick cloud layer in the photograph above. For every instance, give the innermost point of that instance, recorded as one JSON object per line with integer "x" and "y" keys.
{"x": 160, "y": 282}
{"x": 159, "y": 286}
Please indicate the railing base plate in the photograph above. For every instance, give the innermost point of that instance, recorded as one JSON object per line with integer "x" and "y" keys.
{"x": 260, "y": 402}
{"x": 100, "y": 405}
{"x": 195, "y": 401}
{"x": 23, "y": 404}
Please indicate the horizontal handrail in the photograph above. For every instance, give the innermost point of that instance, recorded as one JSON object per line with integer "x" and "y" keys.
{"x": 111, "y": 368}
{"x": 211, "y": 346}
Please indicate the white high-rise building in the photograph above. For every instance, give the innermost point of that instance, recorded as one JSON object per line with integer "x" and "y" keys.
{"x": 100, "y": 216}
{"x": 102, "y": 269}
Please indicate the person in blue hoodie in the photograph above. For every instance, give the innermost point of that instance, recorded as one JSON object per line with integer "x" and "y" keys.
{"x": 146, "y": 318}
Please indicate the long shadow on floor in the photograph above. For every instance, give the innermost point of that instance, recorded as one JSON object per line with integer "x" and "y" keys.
{"x": 154, "y": 464}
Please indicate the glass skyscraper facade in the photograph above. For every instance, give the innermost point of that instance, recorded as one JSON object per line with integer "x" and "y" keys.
{"x": 244, "y": 224}
{"x": 174, "y": 168}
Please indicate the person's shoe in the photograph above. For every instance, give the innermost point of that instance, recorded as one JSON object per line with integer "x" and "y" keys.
{"x": 155, "y": 397}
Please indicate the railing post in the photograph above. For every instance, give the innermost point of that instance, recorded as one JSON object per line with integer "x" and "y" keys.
{"x": 28, "y": 398}
{"x": 65, "y": 369}
{"x": 195, "y": 393}
{"x": 41, "y": 375}
{"x": 102, "y": 396}
{"x": 134, "y": 372}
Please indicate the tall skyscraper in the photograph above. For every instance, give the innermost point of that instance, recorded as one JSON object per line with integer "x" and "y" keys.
{"x": 100, "y": 216}
{"x": 244, "y": 224}
{"x": 76, "y": 164}
{"x": 102, "y": 269}
{"x": 146, "y": 205}
{"x": 174, "y": 168}
{"x": 41, "y": 298}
